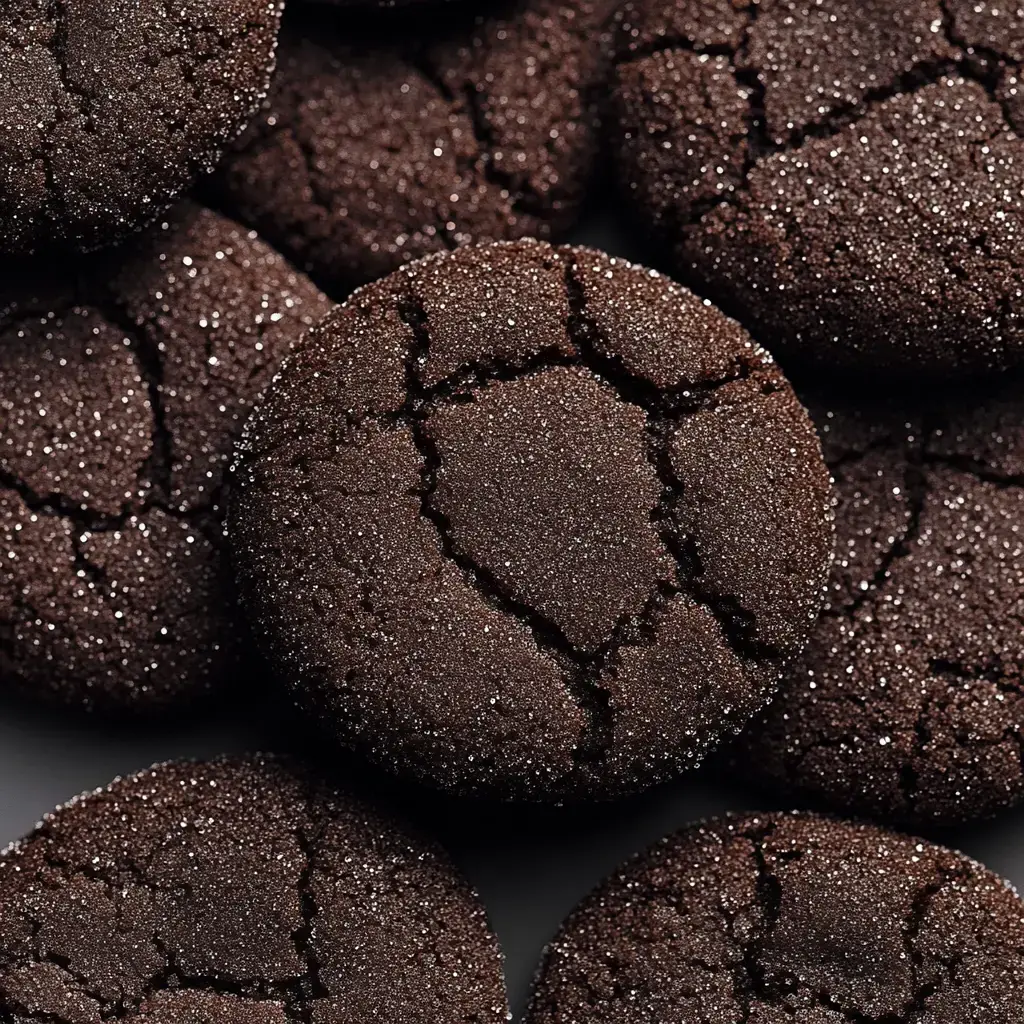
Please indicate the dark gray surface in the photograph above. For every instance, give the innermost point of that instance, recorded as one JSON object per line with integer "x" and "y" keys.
{"x": 531, "y": 866}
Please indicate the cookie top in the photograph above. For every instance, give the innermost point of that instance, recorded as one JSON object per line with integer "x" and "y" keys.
{"x": 238, "y": 891}
{"x": 846, "y": 179}
{"x": 532, "y": 522}
{"x": 908, "y": 702}
{"x": 122, "y": 390}
{"x": 110, "y": 109}
{"x": 789, "y": 918}
{"x": 385, "y": 140}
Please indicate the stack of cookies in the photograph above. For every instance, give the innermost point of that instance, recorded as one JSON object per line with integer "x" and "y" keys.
{"x": 307, "y": 387}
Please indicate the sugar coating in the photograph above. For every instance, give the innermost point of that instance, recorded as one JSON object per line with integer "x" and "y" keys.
{"x": 846, "y": 179}
{"x": 789, "y": 918}
{"x": 238, "y": 891}
{"x": 531, "y": 522}
{"x": 122, "y": 390}
{"x": 388, "y": 138}
{"x": 909, "y": 702}
{"x": 110, "y": 109}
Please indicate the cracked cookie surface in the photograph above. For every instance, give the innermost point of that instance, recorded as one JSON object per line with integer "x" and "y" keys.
{"x": 122, "y": 390}
{"x": 386, "y": 139}
{"x": 238, "y": 891}
{"x": 908, "y": 701}
{"x": 530, "y": 522}
{"x": 109, "y": 109}
{"x": 845, "y": 179}
{"x": 789, "y": 918}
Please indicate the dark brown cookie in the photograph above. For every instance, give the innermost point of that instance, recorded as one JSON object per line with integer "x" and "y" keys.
{"x": 384, "y": 141}
{"x": 122, "y": 390}
{"x": 789, "y": 919}
{"x": 533, "y": 522}
{"x": 846, "y": 179}
{"x": 109, "y": 109}
{"x": 908, "y": 702}
{"x": 238, "y": 891}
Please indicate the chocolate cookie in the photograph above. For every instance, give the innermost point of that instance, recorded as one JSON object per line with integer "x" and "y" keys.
{"x": 845, "y": 178}
{"x": 238, "y": 891}
{"x": 384, "y": 141}
{"x": 789, "y": 919}
{"x": 531, "y": 522}
{"x": 909, "y": 700}
{"x": 122, "y": 390}
{"x": 110, "y": 109}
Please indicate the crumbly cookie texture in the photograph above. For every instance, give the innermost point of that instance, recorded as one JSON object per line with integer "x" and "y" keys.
{"x": 238, "y": 891}
{"x": 122, "y": 391}
{"x": 846, "y": 179}
{"x": 789, "y": 918}
{"x": 110, "y": 109}
{"x": 531, "y": 521}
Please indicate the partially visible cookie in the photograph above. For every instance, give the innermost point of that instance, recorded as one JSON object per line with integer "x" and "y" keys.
{"x": 238, "y": 891}
{"x": 789, "y": 919}
{"x": 908, "y": 702}
{"x": 846, "y": 179}
{"x": 388, "y": 139}
{"x": 530, "y": 522}
{"x": 110, "y": 109}
{"x": 122, "y": 390}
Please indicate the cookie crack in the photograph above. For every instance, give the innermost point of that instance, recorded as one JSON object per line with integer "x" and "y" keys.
{"x": 57, "y": 505}
{"x": 311, "y": 987}
{"x": 158, "y": 468}
{"x": 293, "y": 995}
{"x": 754, "y": 984}
{"x": 663, "y": 409}
{"x": 918, "y": 1003}
{"x": 759, "y": 143}
{"x": 519, "y": 194}
{"x": 578, "y": 670}
{"x": 992, "y": 672}
{"x": 975, "y": 468}
{"x": 59, "y": 51}
{"x": 749, "y": 978}
{"x": 971, "y": 69}
{"x": 916, "y": 486}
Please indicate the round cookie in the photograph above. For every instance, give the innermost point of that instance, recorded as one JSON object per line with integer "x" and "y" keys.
{"x": 384, "y": 141}
{"x": 123, "y": 387}
{"x": 238, "y": 891}
{"x": 789, "y": 919}
{"x": 847, "y": 179}
{"x": 530, "y": 522}
{"x": 908, "y": 702}
{"x": 110, "y": 109}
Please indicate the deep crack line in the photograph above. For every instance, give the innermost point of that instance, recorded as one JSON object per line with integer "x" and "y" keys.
{"x": 915, "y": 484}
{"x": 160, "y": 464}
{"x": 58, "y": 506}
{"x": 662, "y": 409}
{"x": 311, "y": 987}
{"x": 520, "y": 196}
{"x": 578, "y": 670}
